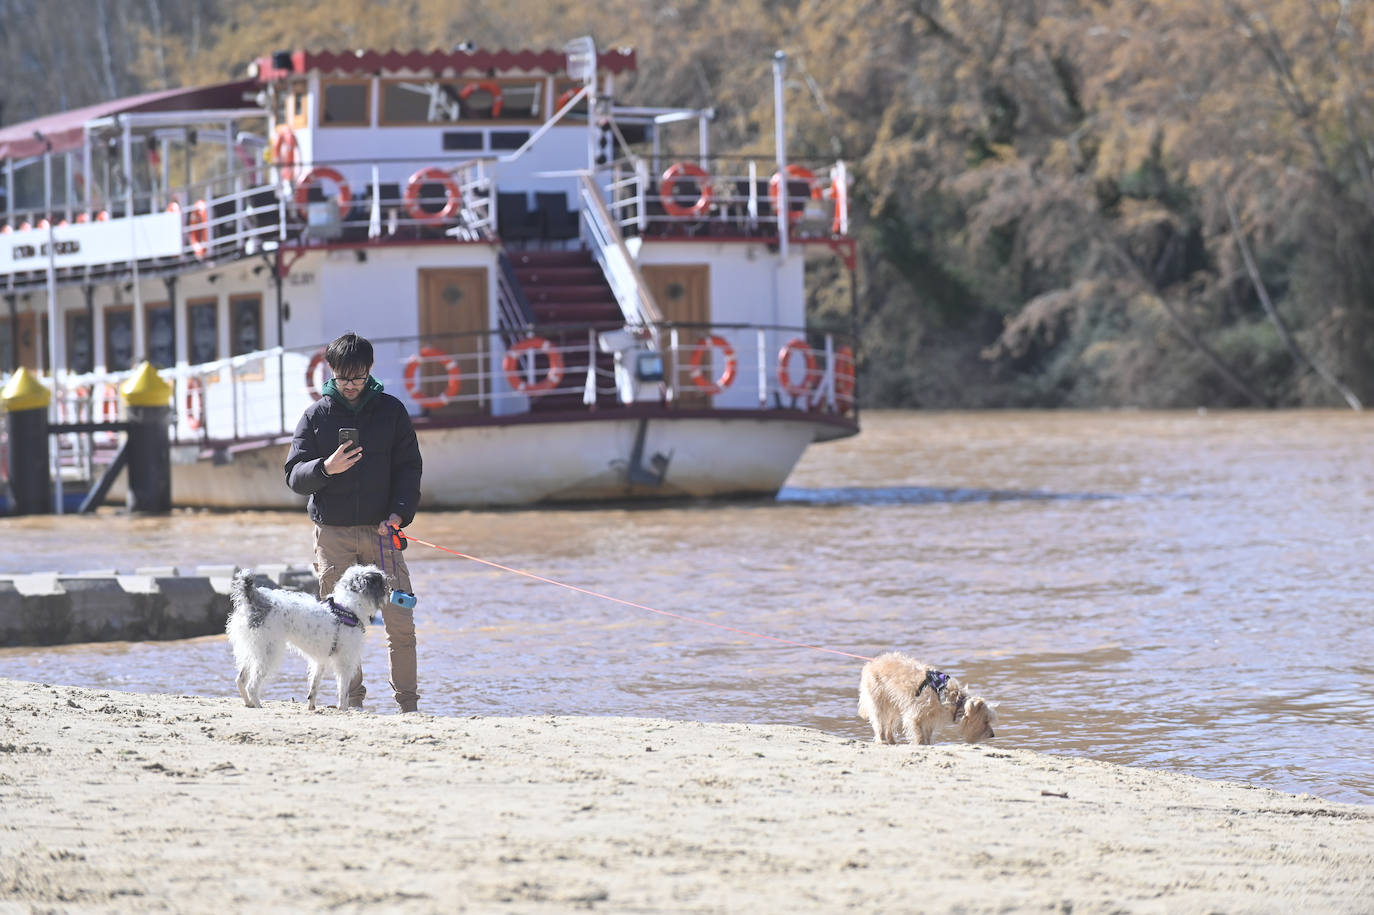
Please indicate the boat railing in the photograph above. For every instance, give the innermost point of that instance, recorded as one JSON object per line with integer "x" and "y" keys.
{"x": 451, "y": 378}
{"x": 727, "y": 197}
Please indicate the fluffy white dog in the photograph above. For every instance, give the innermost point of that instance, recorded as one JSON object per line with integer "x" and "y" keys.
{"x": 327, "y": 633}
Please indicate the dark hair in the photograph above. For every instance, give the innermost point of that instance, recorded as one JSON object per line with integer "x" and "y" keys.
{"x": 349, "y": 353}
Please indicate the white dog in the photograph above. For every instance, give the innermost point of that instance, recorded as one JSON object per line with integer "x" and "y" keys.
{"x": 327, "y": 633}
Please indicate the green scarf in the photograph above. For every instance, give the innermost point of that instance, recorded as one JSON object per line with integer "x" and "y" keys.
{"x": 370, "y": 390}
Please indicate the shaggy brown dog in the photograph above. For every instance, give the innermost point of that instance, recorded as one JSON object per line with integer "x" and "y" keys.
{"x": 898, "y": 689}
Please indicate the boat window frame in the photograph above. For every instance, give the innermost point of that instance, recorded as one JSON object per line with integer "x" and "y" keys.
{"x": 298, "y": 104}
{"x": 75, "y": 318}
{"x": 121, "y": 309}
{"x": 192, "y": 305}
{"x": 150, "y": 309}
{"x": 537, "y": 83}
{"x": 327, "y": 84}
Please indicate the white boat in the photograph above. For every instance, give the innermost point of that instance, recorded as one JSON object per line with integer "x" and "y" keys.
{"x": 569, "y": 311}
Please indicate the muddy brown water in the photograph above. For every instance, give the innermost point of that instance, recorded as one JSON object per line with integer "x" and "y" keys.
{"x": 1184, "y": 591}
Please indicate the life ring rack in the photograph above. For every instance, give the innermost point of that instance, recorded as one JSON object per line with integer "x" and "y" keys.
{"x": 727, "y": 375}
{"x": 810, "y": 379}
{"x": 667, "y": 188}
{"x": 510, "y": 364}
{"x": 412, "y": 380}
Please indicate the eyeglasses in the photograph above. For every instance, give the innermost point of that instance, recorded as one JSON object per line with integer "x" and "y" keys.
{"x": 357, "y": 379}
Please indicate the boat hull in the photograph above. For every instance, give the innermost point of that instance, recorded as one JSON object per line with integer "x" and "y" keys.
{"x": 598, "y": 459}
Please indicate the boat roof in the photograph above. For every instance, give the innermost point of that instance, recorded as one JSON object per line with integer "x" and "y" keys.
{"x": 65, "y": 129}
{"x": 457, "y": 63}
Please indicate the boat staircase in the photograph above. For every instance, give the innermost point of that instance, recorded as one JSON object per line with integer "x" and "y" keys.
{"x": 568, "y": 293}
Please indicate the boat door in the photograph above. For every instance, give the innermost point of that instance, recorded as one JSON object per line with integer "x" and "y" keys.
{"x": 683, "y": 295}
{"x": 32, "y": 343}
{"x": 453, "y": 321}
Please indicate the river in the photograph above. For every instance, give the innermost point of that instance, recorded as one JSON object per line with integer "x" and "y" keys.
{"x": 1181, "y": 591}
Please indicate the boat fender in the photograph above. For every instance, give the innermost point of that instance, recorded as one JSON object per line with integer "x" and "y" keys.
{"x": 412, "y": 379}
{"x": 453, "y": 195}
{"x": 698, "y": 374}
{"x": 667, "y": 189}
{"x": 488, "y": 87}
{"x": 320, "y": 173}
{"x": 798, "y": 173}
{"x": 533, "y": 345}
{"x": 813, "y": 372}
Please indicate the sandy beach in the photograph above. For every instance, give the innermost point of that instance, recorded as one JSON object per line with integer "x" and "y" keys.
{"x": 126, "y": 802}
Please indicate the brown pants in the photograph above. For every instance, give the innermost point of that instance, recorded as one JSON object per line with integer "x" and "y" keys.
{"x": 337, "y": 548}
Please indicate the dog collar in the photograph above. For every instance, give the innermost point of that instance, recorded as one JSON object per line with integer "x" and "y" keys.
{"x": 345, "y": 617}
{"x": 937, "y": 681}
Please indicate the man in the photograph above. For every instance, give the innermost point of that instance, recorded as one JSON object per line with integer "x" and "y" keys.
{"x": 357, "y": 490}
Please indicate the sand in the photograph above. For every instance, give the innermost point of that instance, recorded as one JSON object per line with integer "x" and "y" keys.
{"x": 123, "y": 802}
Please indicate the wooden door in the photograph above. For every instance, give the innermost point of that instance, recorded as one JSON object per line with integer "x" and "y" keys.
{"x": 453, "y": 320}
{"x": 683, "y": 293}
{"x": 32, "y": 342}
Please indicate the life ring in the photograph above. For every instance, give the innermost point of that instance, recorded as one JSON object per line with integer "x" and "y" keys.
{"x": 813, "y": 372}
{"x": 490, "y": 88}
{"x": 316, "y": 174}
{"x": 316, "y": 361}
{"x": 453, "y": 195}
{"x": 109, "y": 411}
{"x": 195, "y": 404}
{"x": 793, "y": 172}
{"x": 844, "y": 373}
{"x": 839, "y": 196}
{"x": 417, "y": 394}
{"x": 698, "y": 375}
{"x": 533, "y": 345}
{"x": 667, "y": 188}
{"x": 197, "y": 230}
{"x": 564, "y": 97}
{"x": 285, "y": 150}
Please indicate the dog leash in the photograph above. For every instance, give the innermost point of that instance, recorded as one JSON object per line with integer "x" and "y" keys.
{"x": 628, "y": 603}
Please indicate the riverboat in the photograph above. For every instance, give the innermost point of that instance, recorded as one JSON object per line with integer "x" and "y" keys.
{"x": 569, "y": 311}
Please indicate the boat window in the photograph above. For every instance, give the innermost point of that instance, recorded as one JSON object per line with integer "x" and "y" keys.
{"x": 245, "y": 331}
{"x": 119, "y": 338}
{"x": 446, "y": 101}
{"x": 509, "y": 139}
{"x": 462, "y": 139}
{"x": 80, "y": 354}
{"x": 347, "y": 104}
{"x": 202, "y": 330}
{"x": 421, "y": 102}
{"x": 296, "y": 106}
{"x": 161, "y": 336}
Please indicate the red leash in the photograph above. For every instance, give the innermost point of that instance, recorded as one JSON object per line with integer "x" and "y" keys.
{"x": 630, "y": 603}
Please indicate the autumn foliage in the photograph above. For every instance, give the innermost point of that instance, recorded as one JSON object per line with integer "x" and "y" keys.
{"x": 1058, "y": 202}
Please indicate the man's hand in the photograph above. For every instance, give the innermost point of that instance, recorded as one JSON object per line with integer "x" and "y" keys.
{"x": 393, "y": 521}
{"x": 343, "y": 458}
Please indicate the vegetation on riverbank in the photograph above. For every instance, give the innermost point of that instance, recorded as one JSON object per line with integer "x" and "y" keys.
{"x": 1058, "y": 202}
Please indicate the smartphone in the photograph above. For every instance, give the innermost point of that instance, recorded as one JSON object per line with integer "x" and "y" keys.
{"x": 349, "y": 435}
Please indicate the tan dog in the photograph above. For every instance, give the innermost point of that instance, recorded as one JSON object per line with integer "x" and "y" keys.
{"x": 898, "y": 689}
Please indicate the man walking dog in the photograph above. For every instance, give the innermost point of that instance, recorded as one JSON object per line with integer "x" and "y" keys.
{"x": 356, "y": 456}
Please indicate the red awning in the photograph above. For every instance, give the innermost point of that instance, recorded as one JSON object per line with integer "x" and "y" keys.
{"x": 64, "y": 129}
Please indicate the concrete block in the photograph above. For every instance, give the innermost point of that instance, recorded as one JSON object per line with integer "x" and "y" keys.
{"x": 42, "y": 614}
{"x": 102, "y": 611}
{"x": 191, "y": 607}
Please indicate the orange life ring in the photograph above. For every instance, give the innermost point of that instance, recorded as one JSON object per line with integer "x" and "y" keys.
{"x": 563, "y": 98}
{"x": 195, "y": 404}
{"x": 109, "y": 411}
{"x": 533, "y": 345}
{"x": 453, "y": 200}
{"x": 839, "y": 196}
{"x": 316, "y": 361}
{"x": 813, "y": 372}
{"x": 490, "y": 88}
{"x": 798, "y": 173}
{"x": 316, "y": 174}
{"x": 844, "y": 373}
{"x": 197, "y": 230}
{"x": 285, "y": 150}
{"x": 417, "y": 394}
{"x": 668, "y": 186}
{"x": 697, "y": 374}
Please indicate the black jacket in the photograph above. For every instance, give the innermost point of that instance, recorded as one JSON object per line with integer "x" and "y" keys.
{"x": 386, "y": 480}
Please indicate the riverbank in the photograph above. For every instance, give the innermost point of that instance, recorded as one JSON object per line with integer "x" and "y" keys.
{"x": 129, "y": 802}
